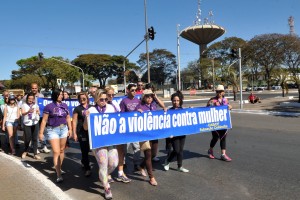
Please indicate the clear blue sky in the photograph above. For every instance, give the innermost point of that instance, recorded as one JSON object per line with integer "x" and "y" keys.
{"x": 69, "y": 28}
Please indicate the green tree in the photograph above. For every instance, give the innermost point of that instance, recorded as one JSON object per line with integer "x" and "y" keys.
{"x": 291, "y": 58}
{"x": 266, "y": 51}
{"x": 162, "y": 66}
{"x": 102, "y": 66}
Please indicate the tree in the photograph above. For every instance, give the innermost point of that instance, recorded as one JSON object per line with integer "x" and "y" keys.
{"x": 43, "y": 72}
{"x": 291, "y": 57}
{"x": 162, "y": 66}
{"x": 102, "y": 66}
{"x": 266, "y": 50}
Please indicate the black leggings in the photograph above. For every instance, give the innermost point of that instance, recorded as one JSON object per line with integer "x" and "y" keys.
{"x": 31, "y": 134}
{"x": 177, "y": 144}
{"x": 85, "y": 149}
{"x": 220, "y": 134}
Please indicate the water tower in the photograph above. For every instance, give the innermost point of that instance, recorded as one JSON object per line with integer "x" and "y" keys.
{"x": 202, "y": 33}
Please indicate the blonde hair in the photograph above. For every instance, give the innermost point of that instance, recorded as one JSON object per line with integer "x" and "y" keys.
{"x": 108, "y": 88}
{"x": 98, "y": 93}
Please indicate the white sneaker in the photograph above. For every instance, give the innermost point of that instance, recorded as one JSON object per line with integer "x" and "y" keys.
{"x": 38, "y": 152}
{"x": 166, "y": 165}
{"x": 181, "y": 169}
{"x": 45, "y": 150}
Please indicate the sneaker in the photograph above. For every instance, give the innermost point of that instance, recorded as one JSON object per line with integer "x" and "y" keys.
{"x": 181, "y": 169}
{"x": 38, "y": 152}
{"x": 225, "y": 158}
{"x": 123, "y": 179}
{"x": 210, "y": 154}
{"x": 155, "y": 159}
{"x": 166, "y": 165}
{"x": 88, "y": 173}
{"x": 45, "y": 150}
{"x": 108, "y": 194}
{"x": 59, "y": 180}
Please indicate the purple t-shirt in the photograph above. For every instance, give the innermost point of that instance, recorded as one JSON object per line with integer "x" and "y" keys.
{"x": 129, "y": 105}
{"x": 145, "y": 107}
{"x": 57, "y": 114}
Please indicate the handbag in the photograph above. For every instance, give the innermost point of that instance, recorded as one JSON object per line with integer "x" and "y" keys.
{"x": 145, "y": 145}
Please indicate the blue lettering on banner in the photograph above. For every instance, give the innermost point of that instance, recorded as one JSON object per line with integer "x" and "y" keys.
{"x": 120, "y": 128}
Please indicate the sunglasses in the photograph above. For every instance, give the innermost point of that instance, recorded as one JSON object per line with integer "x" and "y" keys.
{"x": 132, "y": 90}
{"x": 103, "y": 99}
{"x": 83, "y": 99}
{"x": 140, "y": 85}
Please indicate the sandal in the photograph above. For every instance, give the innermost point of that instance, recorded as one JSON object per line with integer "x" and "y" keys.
{"x": 143, "y": 173}
{"x": 153, "y": 182}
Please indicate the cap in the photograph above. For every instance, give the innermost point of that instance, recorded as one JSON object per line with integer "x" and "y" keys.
{"x": 11, "y": 97}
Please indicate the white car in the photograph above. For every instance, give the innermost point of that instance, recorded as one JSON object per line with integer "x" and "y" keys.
{"x": 276, "y": 87}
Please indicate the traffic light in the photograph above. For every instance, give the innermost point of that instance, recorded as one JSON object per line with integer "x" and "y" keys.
{"x": 40, "y": 56}
{"x": 234, "y": 53}
{"x": 151, "y": 33}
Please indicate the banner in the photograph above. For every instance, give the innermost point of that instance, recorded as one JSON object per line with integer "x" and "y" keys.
{"x": 73, "y": 103}
{"x": 120, "y": 128}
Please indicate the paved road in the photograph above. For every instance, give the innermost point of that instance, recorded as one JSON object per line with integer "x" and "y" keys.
{"x": 265, "y": 166}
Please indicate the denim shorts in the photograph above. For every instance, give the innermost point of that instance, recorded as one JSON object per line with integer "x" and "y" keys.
{"x": 15, "y": 123}
{"x": 57, "y": 132}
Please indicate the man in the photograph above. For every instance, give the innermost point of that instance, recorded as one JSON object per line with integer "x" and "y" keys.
{"x": 140, "y": 87}
{"x": 92, "y": 91}
{"x": 253, "y": 98}
{"x": 35, "y": 90}
{"x": 128, "y": 104}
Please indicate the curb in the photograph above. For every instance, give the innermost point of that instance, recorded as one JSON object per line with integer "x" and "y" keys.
{"x": 38, "y": 176}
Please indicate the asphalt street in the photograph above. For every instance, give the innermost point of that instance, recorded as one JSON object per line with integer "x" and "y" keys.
{"x": 265, "y": 165}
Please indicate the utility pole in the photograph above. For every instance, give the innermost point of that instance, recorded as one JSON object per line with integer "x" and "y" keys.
{"x": 147, "y": 35}
{"x": 241, "y": 81}
{"x": 178, "y": 59}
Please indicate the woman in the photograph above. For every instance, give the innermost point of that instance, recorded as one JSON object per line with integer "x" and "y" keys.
{"x": 110, "y": 93}
{"x": 57, "y": 118}
{"x": 156, "y": 100}
{"x": 178, "y": 141}
{"x": 219, "y": 100}
{"x": 79, "y": 133}
{"x": 31, "y": 116}
{"x": 147, "y": 104}
{"x": 11, "y": 121}
{"x": 107, "y": 157}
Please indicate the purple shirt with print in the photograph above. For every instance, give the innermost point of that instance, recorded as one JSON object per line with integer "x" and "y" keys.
{"x": 129, "y": 105}
{"x": 145, "y": 107}
{"x": 57, "y": 114}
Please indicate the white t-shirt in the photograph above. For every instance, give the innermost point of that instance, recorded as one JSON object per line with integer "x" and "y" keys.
{"x": 109, "y": 109}
{"x": 34, "y": 118}
{"x": 12, "y": 113}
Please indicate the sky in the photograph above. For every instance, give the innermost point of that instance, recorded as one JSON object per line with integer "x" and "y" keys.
{"x": 69, "y": 28}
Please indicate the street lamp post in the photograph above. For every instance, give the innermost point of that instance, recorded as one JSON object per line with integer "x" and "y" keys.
{"x": 147, "y": 34}
{"x": 41, "y": 56}
{"x": 178, "y": 59}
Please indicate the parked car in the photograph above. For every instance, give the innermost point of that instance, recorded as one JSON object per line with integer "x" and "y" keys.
{"x": 248, "y": 89}
{"x": 262, "y": 87}
{"x": 276, "y": 87}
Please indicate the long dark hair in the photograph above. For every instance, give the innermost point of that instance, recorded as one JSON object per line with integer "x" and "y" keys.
{"x": 179, "y": 95}
{"x": 55, "y": 94}
{"x": 30, "y": 94}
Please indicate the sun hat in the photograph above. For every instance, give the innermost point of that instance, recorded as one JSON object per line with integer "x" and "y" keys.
{"x": 220, "y": 88}
{"x": 146, "y": 92}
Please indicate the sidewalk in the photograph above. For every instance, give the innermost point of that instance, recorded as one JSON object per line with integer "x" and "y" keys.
{"x": 19, "y": 180}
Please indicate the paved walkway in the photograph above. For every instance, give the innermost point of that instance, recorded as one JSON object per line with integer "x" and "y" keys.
{"x": 18, "y": 180}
